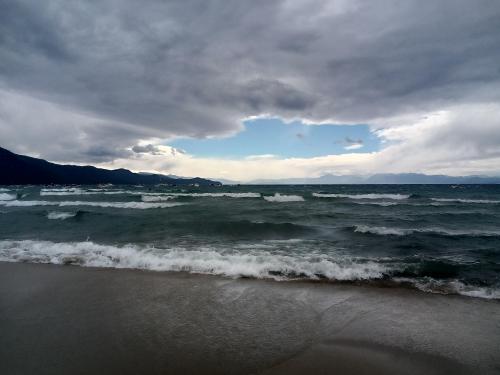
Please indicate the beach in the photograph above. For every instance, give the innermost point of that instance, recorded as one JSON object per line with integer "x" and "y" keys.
{"x": 76, "y": 320}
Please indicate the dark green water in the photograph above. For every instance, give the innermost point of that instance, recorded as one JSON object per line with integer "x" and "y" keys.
{"x": 438, "y": 238}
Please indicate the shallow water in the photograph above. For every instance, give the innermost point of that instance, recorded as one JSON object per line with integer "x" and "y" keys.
{"x": 438, "y": 238}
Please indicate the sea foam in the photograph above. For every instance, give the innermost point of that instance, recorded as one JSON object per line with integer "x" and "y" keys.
{"x": 56, "y": 215}
{"x": 156, "y": 198}
{"x": 216, "y": 195}
{"x": 7, "y": 197}
{"x": 362, "y": 196}
{"x": 277, "y": 197}
{"x": 256, "y": 264}
{"x": 407, "y": 231}
{"x": 131, "y": 205}
{"x": 460, "y": 200}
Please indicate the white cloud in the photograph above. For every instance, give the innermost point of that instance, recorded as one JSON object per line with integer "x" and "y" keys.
{"x": 436, "y": 143}
{"x": 354, "y": 146}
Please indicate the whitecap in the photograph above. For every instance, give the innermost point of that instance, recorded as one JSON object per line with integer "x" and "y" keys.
{"x": 362, "y": 196}
{"x": 406, "y": 231}
{"x": 56, "y": 215}
{"x": 257, "y": 263}
{"x": 156, "y": 198}
{"x": 131, "y": 205}
{"x": 7, "y": 197}
{"x": 277, "y": 197}
{"x": 383, "y": 204}
{"x": 460, "y": 200}
{"x": 50, "y": 192}
{"x": 216, "y": 195}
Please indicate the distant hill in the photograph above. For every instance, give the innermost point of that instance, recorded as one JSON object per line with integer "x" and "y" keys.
{"x": 387, "y": 178}
{"x": 19, "y": 169}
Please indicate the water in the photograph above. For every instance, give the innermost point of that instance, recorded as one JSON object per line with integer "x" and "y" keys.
{"x": 438, "y": 238}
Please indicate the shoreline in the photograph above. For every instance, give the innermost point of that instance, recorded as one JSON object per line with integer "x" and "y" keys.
{"x": 59, "y": 319}
{"x": 446, "y": 289}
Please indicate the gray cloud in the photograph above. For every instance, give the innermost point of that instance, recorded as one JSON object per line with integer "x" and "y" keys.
{"x": 156, "y": 69}
{"x": 351, "y": 141}
{"x": 147, "y": 149}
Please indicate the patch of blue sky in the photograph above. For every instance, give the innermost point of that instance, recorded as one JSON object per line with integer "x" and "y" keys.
{"x": 274, "y": 137}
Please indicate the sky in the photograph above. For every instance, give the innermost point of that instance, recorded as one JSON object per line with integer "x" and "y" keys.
{"x": 254, "y": 90}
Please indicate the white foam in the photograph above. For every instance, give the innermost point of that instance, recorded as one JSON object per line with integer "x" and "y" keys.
{"x": 406, "y": 231}
{"x": 156, "y": 198}
{"x": 4, "y": 190}
{"x": 56, "y": 215}
{"x": 258, "y": 263}
{"x": 132, "y": 205}
{"x": 7, "y": 197}
{"x": 362, "y": 196}
{"x": 44, "y": 192}
{"x": 454, "y": 287}
{"x": 78, "y": 191}
{"x": 459, "y": 200}
{"x": 216, "y": 195}
{"x": 382, "y": 230}
{"x": 383, "y": 204}
{"x": 277, "y": 197}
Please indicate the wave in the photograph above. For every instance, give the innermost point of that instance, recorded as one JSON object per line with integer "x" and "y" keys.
{"x": 383, "y": 204}
{"x": 215, "y": 195}
{"x": 7, "y": 197}
{"x": 56, "y": 215}
{"x": 59, "y": 192}
{"x": 460, "y": 200}
{"x": 430, "y": 285}
{"x": 54, "y": 192}
{"x": 131, "y": 205}
{"x": 156, "y": 198}
{"x": 2, "y": 190}
{"x": 362, "y": 196}
{"x": 277, "y": 197}
{"x": 249, "y": 261}
{"x": 439, "y": 231}
{"x": 256, "y": 264}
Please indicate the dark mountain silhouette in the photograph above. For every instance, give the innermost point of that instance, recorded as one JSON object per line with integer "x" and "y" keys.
{"x": 19, "y": 169}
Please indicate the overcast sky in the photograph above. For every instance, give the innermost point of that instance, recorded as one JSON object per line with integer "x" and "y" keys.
{"x": 254, "y": 89}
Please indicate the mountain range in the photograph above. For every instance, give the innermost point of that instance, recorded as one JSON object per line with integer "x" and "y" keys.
{"x": 381, "y": 178}
{"x": 19, "y": 170}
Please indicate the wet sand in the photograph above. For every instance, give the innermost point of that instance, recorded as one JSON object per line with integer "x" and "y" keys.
{"x": 72, "y": 320}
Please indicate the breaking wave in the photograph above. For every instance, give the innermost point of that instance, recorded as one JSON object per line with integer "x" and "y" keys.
{"x": 156, "y": 198}
{"x": 256, "y": 263}
{"x": 407, "y": 231}
{"x": 383, "y": 204}
{"x": 277, "y": 197}
{"x": 7, "y": 197}
{"x": 56, "y": 215}
{"x": 459, "y": 200}
{"x": 132, "y": 205}
{"x": 362, "y": 196}
{"x": 216, "y": 195}
{"x": 431, "y": 285}
{"x": 251, "y": 261}
{"x": 76, "y": 191}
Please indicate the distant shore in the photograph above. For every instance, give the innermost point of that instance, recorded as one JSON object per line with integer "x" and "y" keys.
{"x": 72, "y": 320}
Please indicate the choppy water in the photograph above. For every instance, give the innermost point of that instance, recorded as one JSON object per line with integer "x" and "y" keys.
{"x": 443, "y": 239}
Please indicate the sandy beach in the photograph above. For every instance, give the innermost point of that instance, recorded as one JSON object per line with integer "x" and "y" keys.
{"x": 75, "y": 320}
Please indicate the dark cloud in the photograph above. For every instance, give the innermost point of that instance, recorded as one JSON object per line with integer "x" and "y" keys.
{"x": 300, "y": 136}
{"x": 147, "y": 149}
{"x": 351, "y": 141}
{"x": 157, "y": 69}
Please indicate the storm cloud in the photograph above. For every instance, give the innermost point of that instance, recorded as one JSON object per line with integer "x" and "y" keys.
{"x": 119, "y": 72}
